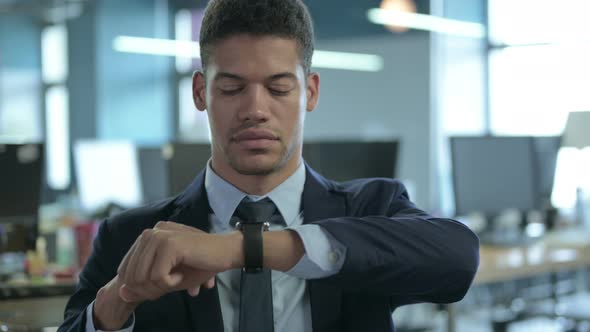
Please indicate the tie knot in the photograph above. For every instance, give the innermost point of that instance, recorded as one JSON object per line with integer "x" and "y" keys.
{"x": 255, "y": 212}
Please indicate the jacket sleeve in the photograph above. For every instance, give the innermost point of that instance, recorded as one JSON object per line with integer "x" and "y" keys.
{"x": 98, "y": 271}
{"x": 395, "y": 249}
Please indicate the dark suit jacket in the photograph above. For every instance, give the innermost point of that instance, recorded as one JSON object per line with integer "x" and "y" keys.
{"x": 396, "y": 255}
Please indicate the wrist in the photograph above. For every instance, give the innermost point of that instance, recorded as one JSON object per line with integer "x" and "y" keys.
{"x": 236, "y": 249}
{"x": 110, "y": 312}
{"x": 282, "y": 249}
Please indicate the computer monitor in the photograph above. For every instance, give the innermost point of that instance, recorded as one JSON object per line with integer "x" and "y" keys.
{"x": 184, "y": 161}
{"x": 546, "y": 149}
{"x": 21, "y": 174}
{"x": 493, "y": 174}
{"x": 347, "y": 160}
{"x": 153, "y": 171}
{"x": 107, "y": 173}
{"x": 21, "y": 179}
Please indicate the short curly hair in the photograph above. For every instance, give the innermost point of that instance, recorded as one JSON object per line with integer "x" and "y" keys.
{"x": 281, "y": 18}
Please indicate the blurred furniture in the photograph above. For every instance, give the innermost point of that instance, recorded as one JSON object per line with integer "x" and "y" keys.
{"x": 21, "y": 169}
{"x": 348, "y": 160}
{"x": 32, "y": 306}
{"x": 548, "y": 256}
{"x": 495, "y": 174}
{"x": 508, "y": 263}
{"x": 32, "y": 314}
{"x": 577, "y": 135}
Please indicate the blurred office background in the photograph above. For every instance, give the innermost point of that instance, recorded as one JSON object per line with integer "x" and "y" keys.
{"x": 466, "y": 101}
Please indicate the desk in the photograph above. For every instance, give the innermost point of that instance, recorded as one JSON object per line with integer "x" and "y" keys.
{"x": 35, "y": 305}
{"x": 498, "y": 264}
{"x": 503, "y": 264}
{"x": 33, "y": 314}
{"x": 47, "y": 288}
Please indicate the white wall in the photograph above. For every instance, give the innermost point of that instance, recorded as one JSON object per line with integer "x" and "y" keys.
{"x": 393, "y": 103}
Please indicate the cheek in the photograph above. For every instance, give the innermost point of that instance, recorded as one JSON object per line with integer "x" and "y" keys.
{"x": 219, "y": 115}
{"x": 292, "y": 122}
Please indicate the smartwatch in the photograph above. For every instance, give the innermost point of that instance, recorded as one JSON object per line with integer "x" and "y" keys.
{"x": 253, "y": 250}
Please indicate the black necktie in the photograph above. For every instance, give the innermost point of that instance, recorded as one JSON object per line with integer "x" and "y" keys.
{"x": 256, "y": 314}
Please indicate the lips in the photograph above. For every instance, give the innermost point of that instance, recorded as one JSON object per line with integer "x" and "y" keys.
{"x": 254, "y": 135}
{"x": 255, "y": 139}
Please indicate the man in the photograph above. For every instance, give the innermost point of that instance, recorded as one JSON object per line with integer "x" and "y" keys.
{"x": 343, "y": 255}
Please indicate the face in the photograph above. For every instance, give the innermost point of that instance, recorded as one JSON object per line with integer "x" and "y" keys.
{"x": 256, "y": 95}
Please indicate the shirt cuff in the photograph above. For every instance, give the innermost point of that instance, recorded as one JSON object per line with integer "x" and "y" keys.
{"x": 324, "y": 255}
{"x": 128, "y": 327}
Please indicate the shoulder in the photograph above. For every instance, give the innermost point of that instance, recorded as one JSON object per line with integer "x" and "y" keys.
{"x": 380, "y": 187}
{"x": 130, "y": 223}
{"x": 372, "y": 195}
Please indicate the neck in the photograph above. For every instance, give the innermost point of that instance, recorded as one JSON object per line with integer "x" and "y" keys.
{"x": 256, "y": 184}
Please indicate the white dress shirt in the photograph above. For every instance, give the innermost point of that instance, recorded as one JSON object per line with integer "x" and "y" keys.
{"x": 323, "y": 256}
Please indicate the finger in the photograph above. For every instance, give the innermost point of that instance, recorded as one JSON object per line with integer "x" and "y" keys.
{"x": 210, "y": 283}
{"x": 162, "y": 268}
{"x": 138, "y": 259}
{"x": 169, "y": 225}
{"x": 125, "y": 262}
{"x": 130, "y": 296}
{"x": 146, "y": 258}
{"x": 165, "y": 280}
{"x": 194, "y": 279}
{"x": 194, "y": 291}
{"x": 143, "y": 292}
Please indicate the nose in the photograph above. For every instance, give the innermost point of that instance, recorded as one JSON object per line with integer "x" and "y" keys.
{"x": 255, "y": 104}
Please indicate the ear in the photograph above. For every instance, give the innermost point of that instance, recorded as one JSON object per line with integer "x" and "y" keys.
{"x": 199, "y": 92}
{"x": 313, "y": 91}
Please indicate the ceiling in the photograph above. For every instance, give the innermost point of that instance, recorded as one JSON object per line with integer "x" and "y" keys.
{"x": 43, "y": 9}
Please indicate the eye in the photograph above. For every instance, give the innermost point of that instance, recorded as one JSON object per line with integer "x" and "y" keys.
{"x": 279, "y": 92}
{"x": 230, "y": 91}
{"x": 280, "y": 89}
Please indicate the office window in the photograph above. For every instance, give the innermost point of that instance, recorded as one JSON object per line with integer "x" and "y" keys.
{"x": 20, "y": 118}
{"x": 54, "y": 71}
{"x": 57, "y": 139}
{"x": 537, "y": 21}
{"x": 538, "y": 73}
{"x": 532, "y": 88}
{"x": 192, "y": 125}
{"x": 54, "y": 54}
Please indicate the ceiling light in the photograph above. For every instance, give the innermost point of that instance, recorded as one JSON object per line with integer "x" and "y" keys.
{"x": 191, "y": 49}
{"x": 425, "y": 22}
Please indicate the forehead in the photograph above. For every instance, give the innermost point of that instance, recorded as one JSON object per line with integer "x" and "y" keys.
{"x": 248, "y": 55}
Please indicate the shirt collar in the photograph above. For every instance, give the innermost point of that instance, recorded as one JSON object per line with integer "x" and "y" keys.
{"x": 225, "y": 197}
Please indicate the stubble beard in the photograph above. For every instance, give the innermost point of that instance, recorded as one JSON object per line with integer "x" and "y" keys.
{"x": 264, "y": 167}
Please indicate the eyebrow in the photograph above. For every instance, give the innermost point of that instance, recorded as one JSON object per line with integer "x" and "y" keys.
{"x": 222, "y": 75}
{"x": 275, "y": 77}
{"x": 279, "y": 76}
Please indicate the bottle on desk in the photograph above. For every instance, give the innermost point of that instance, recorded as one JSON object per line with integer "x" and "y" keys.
{"x": 37, "y": 260}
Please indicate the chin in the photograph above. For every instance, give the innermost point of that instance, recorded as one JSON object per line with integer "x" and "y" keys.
{"x": 256, "y": 168}
{"x": 257, "y": 165}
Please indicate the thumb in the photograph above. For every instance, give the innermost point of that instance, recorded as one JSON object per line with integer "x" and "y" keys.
{"x": 128, "y": 295}
{"x": 175, "y": 279}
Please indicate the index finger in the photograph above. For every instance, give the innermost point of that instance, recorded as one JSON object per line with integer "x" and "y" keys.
{"x": 170, "y": 225}
{"x": 123, "y": 265}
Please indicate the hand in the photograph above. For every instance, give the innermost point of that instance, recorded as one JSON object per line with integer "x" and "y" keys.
{"x": 173, "y": 257}
{"x": 110, "y": 311}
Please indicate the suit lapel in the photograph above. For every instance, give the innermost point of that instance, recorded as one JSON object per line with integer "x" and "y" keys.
{"x": 193, "y": 210}
{"x": 320, "y": 202}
